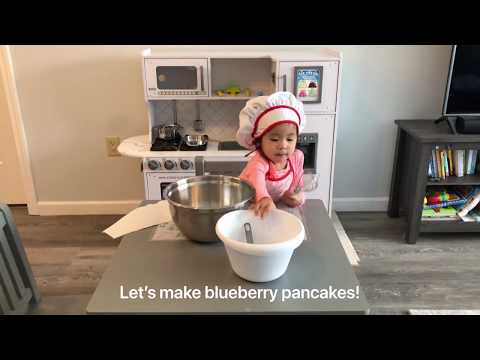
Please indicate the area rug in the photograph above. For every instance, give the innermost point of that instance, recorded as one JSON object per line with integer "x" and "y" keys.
{"x": 443, "y": 312}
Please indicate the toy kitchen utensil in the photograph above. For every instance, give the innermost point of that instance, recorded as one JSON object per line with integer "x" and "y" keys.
{"x": 248, "y": 233}
{"x": 198, "y": 124}
{"x": 171, "y": 131}
{"x": 196, "y": 140}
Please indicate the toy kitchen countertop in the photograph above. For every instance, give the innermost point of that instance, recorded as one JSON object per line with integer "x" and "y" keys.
{"x": 139, "y": 146}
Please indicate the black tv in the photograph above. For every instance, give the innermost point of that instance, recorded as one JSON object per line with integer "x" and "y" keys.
{"x": 462, "y": 95}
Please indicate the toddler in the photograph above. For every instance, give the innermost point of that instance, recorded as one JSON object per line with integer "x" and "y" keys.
{"x": 270, "y": 125}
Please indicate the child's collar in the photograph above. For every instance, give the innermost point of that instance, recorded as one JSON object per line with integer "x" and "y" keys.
{"x": 272, "y": 164}
{"x": 271, "y": 176}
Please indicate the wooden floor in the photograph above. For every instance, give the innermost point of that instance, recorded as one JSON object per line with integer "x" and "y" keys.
{"x": 69, "y": 254}
{"x": 440, "y": 271}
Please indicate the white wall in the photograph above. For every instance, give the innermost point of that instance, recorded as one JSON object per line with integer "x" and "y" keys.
{"x": 381, "y": 84}
{"x": 11, "y": 189}
{"x": 72, "y": 97}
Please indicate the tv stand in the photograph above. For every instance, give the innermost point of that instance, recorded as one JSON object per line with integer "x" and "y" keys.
{"x": 450, "y": 123}
{"x": 413, "y": 150}
{"x": 468, "y": 124}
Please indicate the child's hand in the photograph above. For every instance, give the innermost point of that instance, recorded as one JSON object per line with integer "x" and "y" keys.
{"x": 263, "y": 207}
{"x": 293, "y": 199}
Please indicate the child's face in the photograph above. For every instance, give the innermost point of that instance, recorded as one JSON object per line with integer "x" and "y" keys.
{"x": 279, "y": 143}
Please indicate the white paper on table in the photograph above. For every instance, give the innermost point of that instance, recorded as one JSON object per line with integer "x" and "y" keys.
{"x": 140, "y": 218}
{"x": 168, "y": 231}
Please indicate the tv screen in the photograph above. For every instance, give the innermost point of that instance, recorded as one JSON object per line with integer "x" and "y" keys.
{"x": 462, "y": 95}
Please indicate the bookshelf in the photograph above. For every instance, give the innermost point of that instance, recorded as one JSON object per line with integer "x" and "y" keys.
{"x": 453, "y": 180}
{"x": 413, "y": 150}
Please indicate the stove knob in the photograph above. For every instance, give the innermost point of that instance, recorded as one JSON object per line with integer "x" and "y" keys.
{"x": 185, "y": 164}
{"x": 169, "y": 164}
{"x": 153, "y": 164}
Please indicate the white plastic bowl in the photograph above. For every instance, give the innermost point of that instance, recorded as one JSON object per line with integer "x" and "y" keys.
{"x": 274, "y": 239}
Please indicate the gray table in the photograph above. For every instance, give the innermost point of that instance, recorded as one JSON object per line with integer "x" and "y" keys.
{"x": 319, "y": 263}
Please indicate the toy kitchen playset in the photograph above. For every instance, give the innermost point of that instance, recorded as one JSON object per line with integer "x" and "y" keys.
{"x": 194, "y": 100}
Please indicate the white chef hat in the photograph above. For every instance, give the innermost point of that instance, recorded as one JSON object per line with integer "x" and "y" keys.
{"x": 262, "y": 113}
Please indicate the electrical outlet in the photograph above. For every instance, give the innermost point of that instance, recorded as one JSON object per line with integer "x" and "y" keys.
{"x": 112, "y": 144}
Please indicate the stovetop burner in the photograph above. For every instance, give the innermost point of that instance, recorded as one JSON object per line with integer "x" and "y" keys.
{"x": 185, "y": 147}
{"x": 165, "y": 145}
{"x": 175, "y": 145}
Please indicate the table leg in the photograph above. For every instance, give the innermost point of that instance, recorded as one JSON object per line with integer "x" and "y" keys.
{"x": 422, "y": 152}
{"x": 393, "y": 202}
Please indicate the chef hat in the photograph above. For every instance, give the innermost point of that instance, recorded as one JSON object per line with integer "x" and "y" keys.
{"x": 262, "y": 113}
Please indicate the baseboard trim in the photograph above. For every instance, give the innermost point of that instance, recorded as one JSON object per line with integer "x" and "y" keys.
{"x": 361, "y": 204}
{"x": 85, "y": 207}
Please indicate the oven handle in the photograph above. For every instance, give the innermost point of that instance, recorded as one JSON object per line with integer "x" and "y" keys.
{"x": 224, "y": 166}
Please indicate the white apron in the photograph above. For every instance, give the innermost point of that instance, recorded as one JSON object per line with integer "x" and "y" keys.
{"x": 276, "y": 186}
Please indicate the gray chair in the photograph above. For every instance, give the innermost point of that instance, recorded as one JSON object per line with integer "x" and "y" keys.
{"x": 18, "y": 289}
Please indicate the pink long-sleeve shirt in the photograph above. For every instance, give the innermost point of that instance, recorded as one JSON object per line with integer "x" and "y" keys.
{"x": 272, "y": 183}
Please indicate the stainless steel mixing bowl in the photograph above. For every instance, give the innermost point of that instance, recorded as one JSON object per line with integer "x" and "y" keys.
{"x": 196, "y": 140}
{"x": 196, "y": 203}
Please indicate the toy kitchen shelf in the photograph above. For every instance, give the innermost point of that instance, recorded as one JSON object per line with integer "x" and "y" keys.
{"x": 453, "y": 180}
{"x": 253, "y": 75}
{"x": 415, "y": 141}
{"x": 243, "y": 75}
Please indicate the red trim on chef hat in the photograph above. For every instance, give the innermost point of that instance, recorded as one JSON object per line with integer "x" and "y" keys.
{"x": 274, "y": 116}
{"x": 262, "y": 113}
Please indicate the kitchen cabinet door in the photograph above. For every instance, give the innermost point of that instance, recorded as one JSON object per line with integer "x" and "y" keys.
{"x": 329, "y": 83}
{"x": 324, "y": 125}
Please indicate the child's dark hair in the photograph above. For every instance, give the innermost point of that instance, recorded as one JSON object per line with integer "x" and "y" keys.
{"x": 258, "y": 147}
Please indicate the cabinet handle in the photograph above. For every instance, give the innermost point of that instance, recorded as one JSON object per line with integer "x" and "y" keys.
{"x": 284, "y": 82}
{"x": 201, "y": 77}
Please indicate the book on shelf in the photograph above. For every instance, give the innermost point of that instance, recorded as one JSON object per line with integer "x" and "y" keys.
{"x": 459, "y": 156}
{"x": 436, "y": 197}
{"x": 472, "y": 216}
{"x": 433, "y": 165}
{"x": 447, "y": 218}
{"x": 441, "y": 197}
{"x": 471, "y": 203}
{"x": 444, "y": 164}
{"x": 430, "y": 170}
{"x": 446, "y": 161}
{"x": 456, "y": 202}
{"x": 469, "y": 162}
{"x": 473, "y": 161}
{"x": 453, "y": 202}
{"x": 450, "y": 159}
{"x": 445, "y": 213}
{"x": 439, "y": 163}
